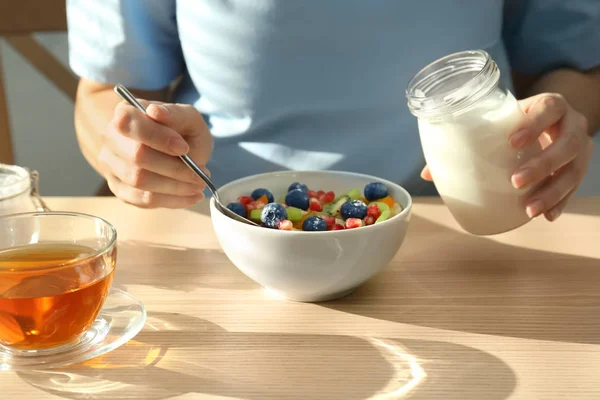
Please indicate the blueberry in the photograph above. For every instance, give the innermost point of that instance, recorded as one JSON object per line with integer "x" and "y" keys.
{"x": 238, "y": 208}
{"x": 375, "y": 191}
{"x": 353, "y": 209}
{"x": 272, "y": 213}
{"x": 257, "y": 193}
{"x": 314, "y": 223}
{"x": 297, "y": 198}
{"x": 298, "y": 186}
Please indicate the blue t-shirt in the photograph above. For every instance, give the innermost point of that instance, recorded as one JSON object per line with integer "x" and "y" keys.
{"x": 317, "y": 84}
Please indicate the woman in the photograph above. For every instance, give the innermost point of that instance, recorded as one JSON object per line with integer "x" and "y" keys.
{"x": 262, "y": 85}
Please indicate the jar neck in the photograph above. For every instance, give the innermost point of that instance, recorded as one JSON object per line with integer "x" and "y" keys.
{"x": 452, "y": 83}
{"x": 14, "y": 181}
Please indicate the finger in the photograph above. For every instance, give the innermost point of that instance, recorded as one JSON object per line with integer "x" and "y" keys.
{"x": 554, "y": 213}
{"x": 180, "y": 117}
{"x": 134, "y": 124}
{"x": 144, "y": 180}
{"x": 188, "y": 122}
{"x": 558, "y": 154}
{"x": 580, "y": 168}
{"x": 579, "y": 173}
{"x": 541, "y": 115}
{"x": 146, "y": 199}
{"x": 149, "y": 159}
{"x": 426, "y": 174}
{"x": 546, "y": 198}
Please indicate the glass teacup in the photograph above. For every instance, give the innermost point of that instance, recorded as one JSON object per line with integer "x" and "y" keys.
{"x": 56, "y": 270}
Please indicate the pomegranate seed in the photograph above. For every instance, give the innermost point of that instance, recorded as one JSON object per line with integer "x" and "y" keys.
{"x": 285, "y": 225}
{"x": 337, "y": 227}
{"x": 327, "y": 198}
{"x": 315, "y": 205}
{"x": 245, "y": 200}
{"x": 352, "y": 223}
{"x": 330, "y": 221}
{"x": 312, "y": 194}
{"x": 369, "y": 220}
{"x": 374, "y": 211}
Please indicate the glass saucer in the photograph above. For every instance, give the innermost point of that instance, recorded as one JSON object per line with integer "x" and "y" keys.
{"x": 121, "y": 318}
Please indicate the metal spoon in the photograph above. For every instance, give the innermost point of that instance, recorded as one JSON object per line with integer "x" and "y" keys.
{"x": 128, "y": 97}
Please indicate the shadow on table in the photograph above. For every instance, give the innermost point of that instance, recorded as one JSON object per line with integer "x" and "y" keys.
{"x": 176, "y": 268}
{"x": 178, "y": 354}
{"x": 551, "y": 296}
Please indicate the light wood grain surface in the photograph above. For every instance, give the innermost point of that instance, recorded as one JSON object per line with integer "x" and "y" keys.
{"x": 515, "y": 316}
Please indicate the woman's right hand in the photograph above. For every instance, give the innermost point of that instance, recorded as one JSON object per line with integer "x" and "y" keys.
{"x": 139, "y": 154}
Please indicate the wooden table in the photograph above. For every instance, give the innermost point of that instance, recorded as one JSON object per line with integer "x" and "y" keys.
{"x": 455, "y": 316}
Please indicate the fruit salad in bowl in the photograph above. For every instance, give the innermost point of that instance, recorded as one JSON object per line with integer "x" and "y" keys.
{"x": 310, "y": 210}
{"x": 321, "y": 235}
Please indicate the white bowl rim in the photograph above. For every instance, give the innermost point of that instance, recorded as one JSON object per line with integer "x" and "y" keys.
{"x": 405, "y": 211}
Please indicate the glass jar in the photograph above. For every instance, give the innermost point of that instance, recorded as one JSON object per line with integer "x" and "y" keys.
{"x": 465, "y": 119}
{"x": 19, "y": 191}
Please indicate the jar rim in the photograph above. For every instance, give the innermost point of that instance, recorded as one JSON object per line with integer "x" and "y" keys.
{"x": 431, "y": 91}
{"x": 14, "y": 180}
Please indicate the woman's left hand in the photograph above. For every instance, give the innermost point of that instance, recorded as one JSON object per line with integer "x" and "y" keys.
{"x": 563, "y": 133}
{"x": 563, "y": 163}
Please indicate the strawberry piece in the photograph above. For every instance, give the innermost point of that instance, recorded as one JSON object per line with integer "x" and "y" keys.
{"x": 312, "y": 194}
{"x": 245, "y": 200}
{"x": 315, "y": 205}
{"x": 320, "y": 193}
{"x": 352, "y": 223}
{"x": 330, "y": 221}
{"x": 338, "y": 227}
{"x": 374, "y": 211}
{"x": 285, "y": 225}
{"x": 369, "y": 220}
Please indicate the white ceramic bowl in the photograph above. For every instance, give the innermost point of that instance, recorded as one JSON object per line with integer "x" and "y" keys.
{"x": 310, "y": 266}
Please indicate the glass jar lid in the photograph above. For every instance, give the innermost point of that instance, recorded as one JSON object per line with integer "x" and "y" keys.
{"x": 14, "y": 180}
{"x": 452, "y": 83}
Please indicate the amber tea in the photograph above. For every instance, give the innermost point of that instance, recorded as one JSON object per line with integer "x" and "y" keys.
{"x": 51, "y": 293}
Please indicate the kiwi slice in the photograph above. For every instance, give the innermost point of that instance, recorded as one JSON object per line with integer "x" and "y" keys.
{"x": 354, "y": 194}
{"x": 295, "y": 214}
{"x": 255, "y": 214}
{"x": 384, "y": 216}
{"x": 382, "y": 206}
{"x": 333, "y": 209}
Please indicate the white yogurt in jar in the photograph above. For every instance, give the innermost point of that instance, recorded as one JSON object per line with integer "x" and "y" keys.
{"x": 465, "y": 134}
{"x": 471, "y": 163}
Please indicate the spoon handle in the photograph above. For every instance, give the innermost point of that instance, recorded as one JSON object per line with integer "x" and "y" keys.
{"x": 130, "y": 98}
{"x": 194, "y": 167}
